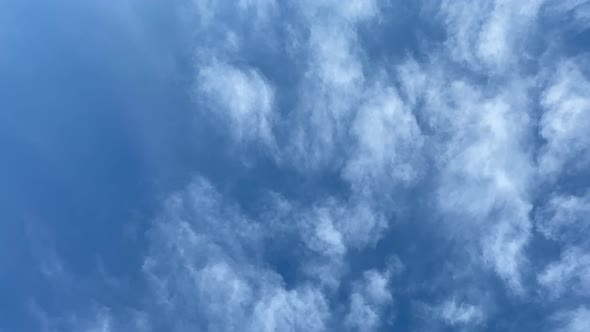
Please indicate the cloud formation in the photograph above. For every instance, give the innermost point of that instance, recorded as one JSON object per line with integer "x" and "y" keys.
{"x": 456, "y": 147}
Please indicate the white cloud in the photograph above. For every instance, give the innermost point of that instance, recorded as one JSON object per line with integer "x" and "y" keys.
{"x": 485, "y": 172}
{"x": 329, "y": 92}
{"x": 566, "y": 119}
{"x": 361, "y": 224}
{"x": 332, "y": 229}
{"x": 576, "y": 320}
{"x": 486, "y": 35}
{"x": 356, "y": 222}
{"x": 388, "y": 143}
{"x": 368, "y": 300}
{"x": 326, "y": 248}
{"x": 326, "y": 238}
{"x": 458, "y": 314}
{"x": 333, "y": 81}
{"x": 296, "y": 310}
{"x": 569, "y": 275}
{"x": 240, "y": 97}
{"x": 565, "y": 218}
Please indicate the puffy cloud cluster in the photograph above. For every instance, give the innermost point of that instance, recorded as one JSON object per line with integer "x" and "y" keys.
{"x": 205, "y": 271}
{"x": 207, "y": 264}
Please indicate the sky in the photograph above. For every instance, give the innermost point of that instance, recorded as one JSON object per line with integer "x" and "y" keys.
{"x": 309, "y": 165}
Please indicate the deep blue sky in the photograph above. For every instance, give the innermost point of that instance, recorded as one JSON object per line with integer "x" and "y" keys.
{"x": 264, "y": 165}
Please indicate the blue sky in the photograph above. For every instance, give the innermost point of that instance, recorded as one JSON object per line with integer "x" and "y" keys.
{"x": 265, "y": 165}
